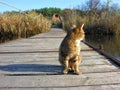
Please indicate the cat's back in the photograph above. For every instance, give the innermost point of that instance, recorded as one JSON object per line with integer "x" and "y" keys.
{"x": 67, "y": 43}
{"x": 73, "y": 38}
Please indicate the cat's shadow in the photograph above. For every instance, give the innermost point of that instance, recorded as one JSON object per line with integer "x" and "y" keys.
{"x": 39, "y": 68}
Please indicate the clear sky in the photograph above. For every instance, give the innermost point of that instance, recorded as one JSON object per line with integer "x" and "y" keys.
{"x": 37, "y": 4}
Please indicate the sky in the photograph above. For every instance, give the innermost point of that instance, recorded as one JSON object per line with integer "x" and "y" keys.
{"x": 37, "y": 4}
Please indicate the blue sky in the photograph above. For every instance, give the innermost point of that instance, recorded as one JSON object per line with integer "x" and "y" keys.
{"x": 37, "y": 4}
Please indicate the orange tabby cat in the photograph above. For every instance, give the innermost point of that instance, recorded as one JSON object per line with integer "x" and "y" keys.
{"x": 69, "y": 51}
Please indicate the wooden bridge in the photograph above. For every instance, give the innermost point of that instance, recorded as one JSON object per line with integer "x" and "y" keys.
{"x": 32, "y": 64}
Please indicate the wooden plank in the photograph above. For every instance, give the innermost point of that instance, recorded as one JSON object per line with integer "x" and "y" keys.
{"x": 45, "y": 58}
{"x": 99, "y": 87}
{"x": 68, "y": 81}
{"x": 45, "y": 68}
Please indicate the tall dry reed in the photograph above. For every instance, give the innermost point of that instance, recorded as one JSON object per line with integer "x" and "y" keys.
{"x": 100, "y": 23}
{"x": 14, "y": 24}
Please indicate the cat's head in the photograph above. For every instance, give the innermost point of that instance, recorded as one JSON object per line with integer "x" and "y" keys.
{"x": 77, "y": 31}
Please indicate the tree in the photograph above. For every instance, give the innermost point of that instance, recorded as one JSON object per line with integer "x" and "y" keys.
{"x": 48, "y": 11}
{"x": 93, "y": 4}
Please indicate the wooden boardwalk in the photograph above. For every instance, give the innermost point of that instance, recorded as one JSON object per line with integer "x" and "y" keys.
{"x": 32, "y": 64}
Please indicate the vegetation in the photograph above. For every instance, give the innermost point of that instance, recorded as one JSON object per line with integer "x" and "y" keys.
{"x": 14, "y": 24}
{"x": 98, "y": 18}
{"x": 47, "y": 12}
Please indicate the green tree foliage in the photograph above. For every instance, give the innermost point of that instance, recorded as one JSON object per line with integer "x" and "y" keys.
{"x": 48, "y": 12}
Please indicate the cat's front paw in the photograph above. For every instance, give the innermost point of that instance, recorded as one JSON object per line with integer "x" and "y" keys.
{"x": 65, "y": 71}
{"x": 78, "y": 72}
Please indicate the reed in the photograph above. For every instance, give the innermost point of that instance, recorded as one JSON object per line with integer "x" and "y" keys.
{"x": 100, "y": 23}
{"x": 13, "y": 24}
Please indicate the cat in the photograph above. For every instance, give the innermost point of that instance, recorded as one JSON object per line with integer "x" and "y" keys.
{"x": 69, "y": 50}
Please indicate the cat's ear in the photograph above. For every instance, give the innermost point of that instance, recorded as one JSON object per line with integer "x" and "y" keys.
{"x": 82, "y": 26}
{"x": 73, "y": 26}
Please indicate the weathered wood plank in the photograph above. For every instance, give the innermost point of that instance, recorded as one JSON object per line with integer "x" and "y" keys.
{"x": 99, "y": 87}
{"x": 46, "y": 69}
{"x": 68, "y": 81}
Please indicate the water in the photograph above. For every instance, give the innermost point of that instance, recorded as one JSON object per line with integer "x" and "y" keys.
{"x": 111, "y": 44}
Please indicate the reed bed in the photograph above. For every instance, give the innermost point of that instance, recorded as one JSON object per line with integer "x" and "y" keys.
{"x": 13, "y": 25}
{"x": 100, "y": 23}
